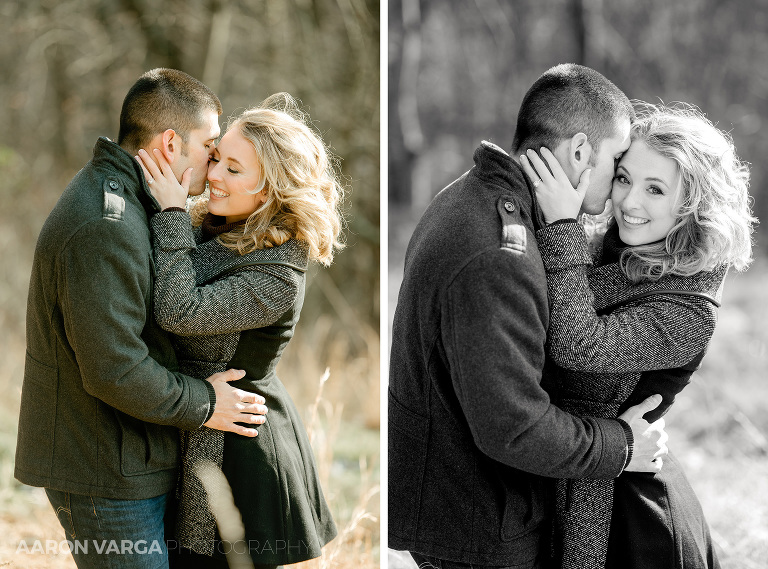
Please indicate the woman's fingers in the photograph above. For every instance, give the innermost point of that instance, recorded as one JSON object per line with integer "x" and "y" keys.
{"x": 554, "y": 166}
{"x": 186, "y": 178}
{"x": 149, "y": 164}
{"x": 147, "y": 175}
{"x": 164, "y": 165}
{"x": 541, "y": 168}
{"x": 581, "y": 189}
{"x": 528, "y": 169}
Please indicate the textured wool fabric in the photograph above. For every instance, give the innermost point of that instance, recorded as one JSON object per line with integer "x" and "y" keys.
{"x": 472, "y": 434}
{"x": 208, "y": 321}
{"x": 602, "y": 358}
{"x": 102, "y": 400}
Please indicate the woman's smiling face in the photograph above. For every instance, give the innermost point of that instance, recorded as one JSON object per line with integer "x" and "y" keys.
{"x": 234, "y": 173}
{"x": 644, "y": 195}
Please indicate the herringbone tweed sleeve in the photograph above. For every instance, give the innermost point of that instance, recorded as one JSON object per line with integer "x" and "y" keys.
{"x": 248, "y": 299}
{"x": 658, "y": 333}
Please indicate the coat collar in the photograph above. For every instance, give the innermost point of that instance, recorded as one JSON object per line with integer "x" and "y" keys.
{"x": 108, "y": 155}
{"x": 494, "y": 165}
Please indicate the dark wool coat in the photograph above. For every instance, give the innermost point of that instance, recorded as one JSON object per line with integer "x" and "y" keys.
{"x": 240, "y": 311}
{"x": 602, "y": 353}
{"x": 101, "y": 401}
{"x": 470, "y": 427}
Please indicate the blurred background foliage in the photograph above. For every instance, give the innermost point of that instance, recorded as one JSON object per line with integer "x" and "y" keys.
{"x": 458, "y": 70}
{"x": 67, "y": 65}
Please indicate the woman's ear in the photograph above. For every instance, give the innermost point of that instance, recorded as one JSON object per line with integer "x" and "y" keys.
{"x": 170, "y": 144}
{"x": 579, "y": 152}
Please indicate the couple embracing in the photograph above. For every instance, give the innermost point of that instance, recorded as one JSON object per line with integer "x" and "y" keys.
{"x": 153, "y": 333}
{"x": 533, "y": 357}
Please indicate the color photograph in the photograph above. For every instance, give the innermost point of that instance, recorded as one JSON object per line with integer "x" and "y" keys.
{"x": 190, "y": 299}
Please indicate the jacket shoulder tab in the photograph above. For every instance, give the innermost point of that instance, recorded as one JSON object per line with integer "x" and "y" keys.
{"x": 514, "y": 237}
{"x": 114, "y": 202}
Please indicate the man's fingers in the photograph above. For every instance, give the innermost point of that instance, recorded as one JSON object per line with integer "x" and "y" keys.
{"x": 641, "y": 408}
{"x": 229, "y": 375}
{"x": 245, "y": 431}
{"x": 663, "y": 451}
{"x": 649, "y": 404}
{"x": 257, "y": 408}
{"x": 248, "y": 397}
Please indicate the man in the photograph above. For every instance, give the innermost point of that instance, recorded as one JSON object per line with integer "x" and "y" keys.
{"x": 471, "y": 431}
{"x": 101, "y": 403}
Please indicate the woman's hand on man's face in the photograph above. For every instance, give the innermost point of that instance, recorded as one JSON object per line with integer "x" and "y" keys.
{"x": 162, "y": 181}
{"x": 557, "y": 198}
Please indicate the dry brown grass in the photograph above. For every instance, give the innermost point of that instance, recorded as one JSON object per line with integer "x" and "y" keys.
{"x": 346, "y": 452}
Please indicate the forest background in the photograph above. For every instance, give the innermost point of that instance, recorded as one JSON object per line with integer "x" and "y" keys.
{"x": 67, "y": 65}
{"x": 458, "y": 71}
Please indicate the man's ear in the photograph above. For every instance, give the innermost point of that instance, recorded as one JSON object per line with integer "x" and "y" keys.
{"x": 579, "y": 152}
{"x": 170, "y": 144}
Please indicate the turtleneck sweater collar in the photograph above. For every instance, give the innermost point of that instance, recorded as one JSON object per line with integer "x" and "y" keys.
{"x": 214, "y": 225}
{"x": 613, "y": 246}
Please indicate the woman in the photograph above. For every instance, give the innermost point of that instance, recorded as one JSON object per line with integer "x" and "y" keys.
{"x": 639, "y": 320}
{"x": 230, "y": 285}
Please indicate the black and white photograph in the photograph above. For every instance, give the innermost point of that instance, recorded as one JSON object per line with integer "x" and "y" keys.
{"x": 577, "y": 362}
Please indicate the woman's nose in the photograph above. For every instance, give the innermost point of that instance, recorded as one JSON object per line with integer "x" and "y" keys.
{"x": 213, "y": 171}
{"x": 631, "y": 200}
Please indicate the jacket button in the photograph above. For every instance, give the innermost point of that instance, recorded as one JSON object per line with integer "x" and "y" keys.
{"x": 114, "y": 185}
{"x": 509, "y": 206}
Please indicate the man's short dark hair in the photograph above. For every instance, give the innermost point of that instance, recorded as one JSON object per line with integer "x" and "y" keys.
{"x": 568, "y": 99}
{"x": 162, "y": 99}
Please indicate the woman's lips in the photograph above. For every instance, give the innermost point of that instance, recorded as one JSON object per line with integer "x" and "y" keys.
{"x": 633, "y": 220}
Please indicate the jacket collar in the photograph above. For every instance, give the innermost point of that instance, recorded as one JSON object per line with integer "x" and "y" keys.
{"x": 494, "y": 165}
{"x": 109, "y": 155}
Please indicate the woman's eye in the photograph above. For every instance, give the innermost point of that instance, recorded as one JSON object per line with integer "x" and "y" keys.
{"x": 213, "y": 159}
{"x": 231, "y": 171}
{"x": 655, "y": 190}
{"x": 621, "y": 179}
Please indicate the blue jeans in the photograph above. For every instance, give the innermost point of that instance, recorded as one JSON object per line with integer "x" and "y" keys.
{"x": 113, "y": 534}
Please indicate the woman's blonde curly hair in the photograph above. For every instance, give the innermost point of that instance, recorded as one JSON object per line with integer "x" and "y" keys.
{"x": 714, "y": 218}
{"x": 298, "y": 177}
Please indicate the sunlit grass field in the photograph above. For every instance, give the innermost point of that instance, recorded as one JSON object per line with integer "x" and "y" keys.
{"x": 347, "y": 453}
{"x": 718, "y": 426}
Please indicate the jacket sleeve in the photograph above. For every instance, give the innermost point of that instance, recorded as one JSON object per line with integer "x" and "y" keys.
{"x": 248, "y": 299}
{"x": 493, "y": 330}
{"x": 104, "y": 292}
{"x": 659, "y": 333}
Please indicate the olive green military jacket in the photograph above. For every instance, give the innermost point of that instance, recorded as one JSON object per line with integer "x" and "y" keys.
{"x": 101, "y": 403}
